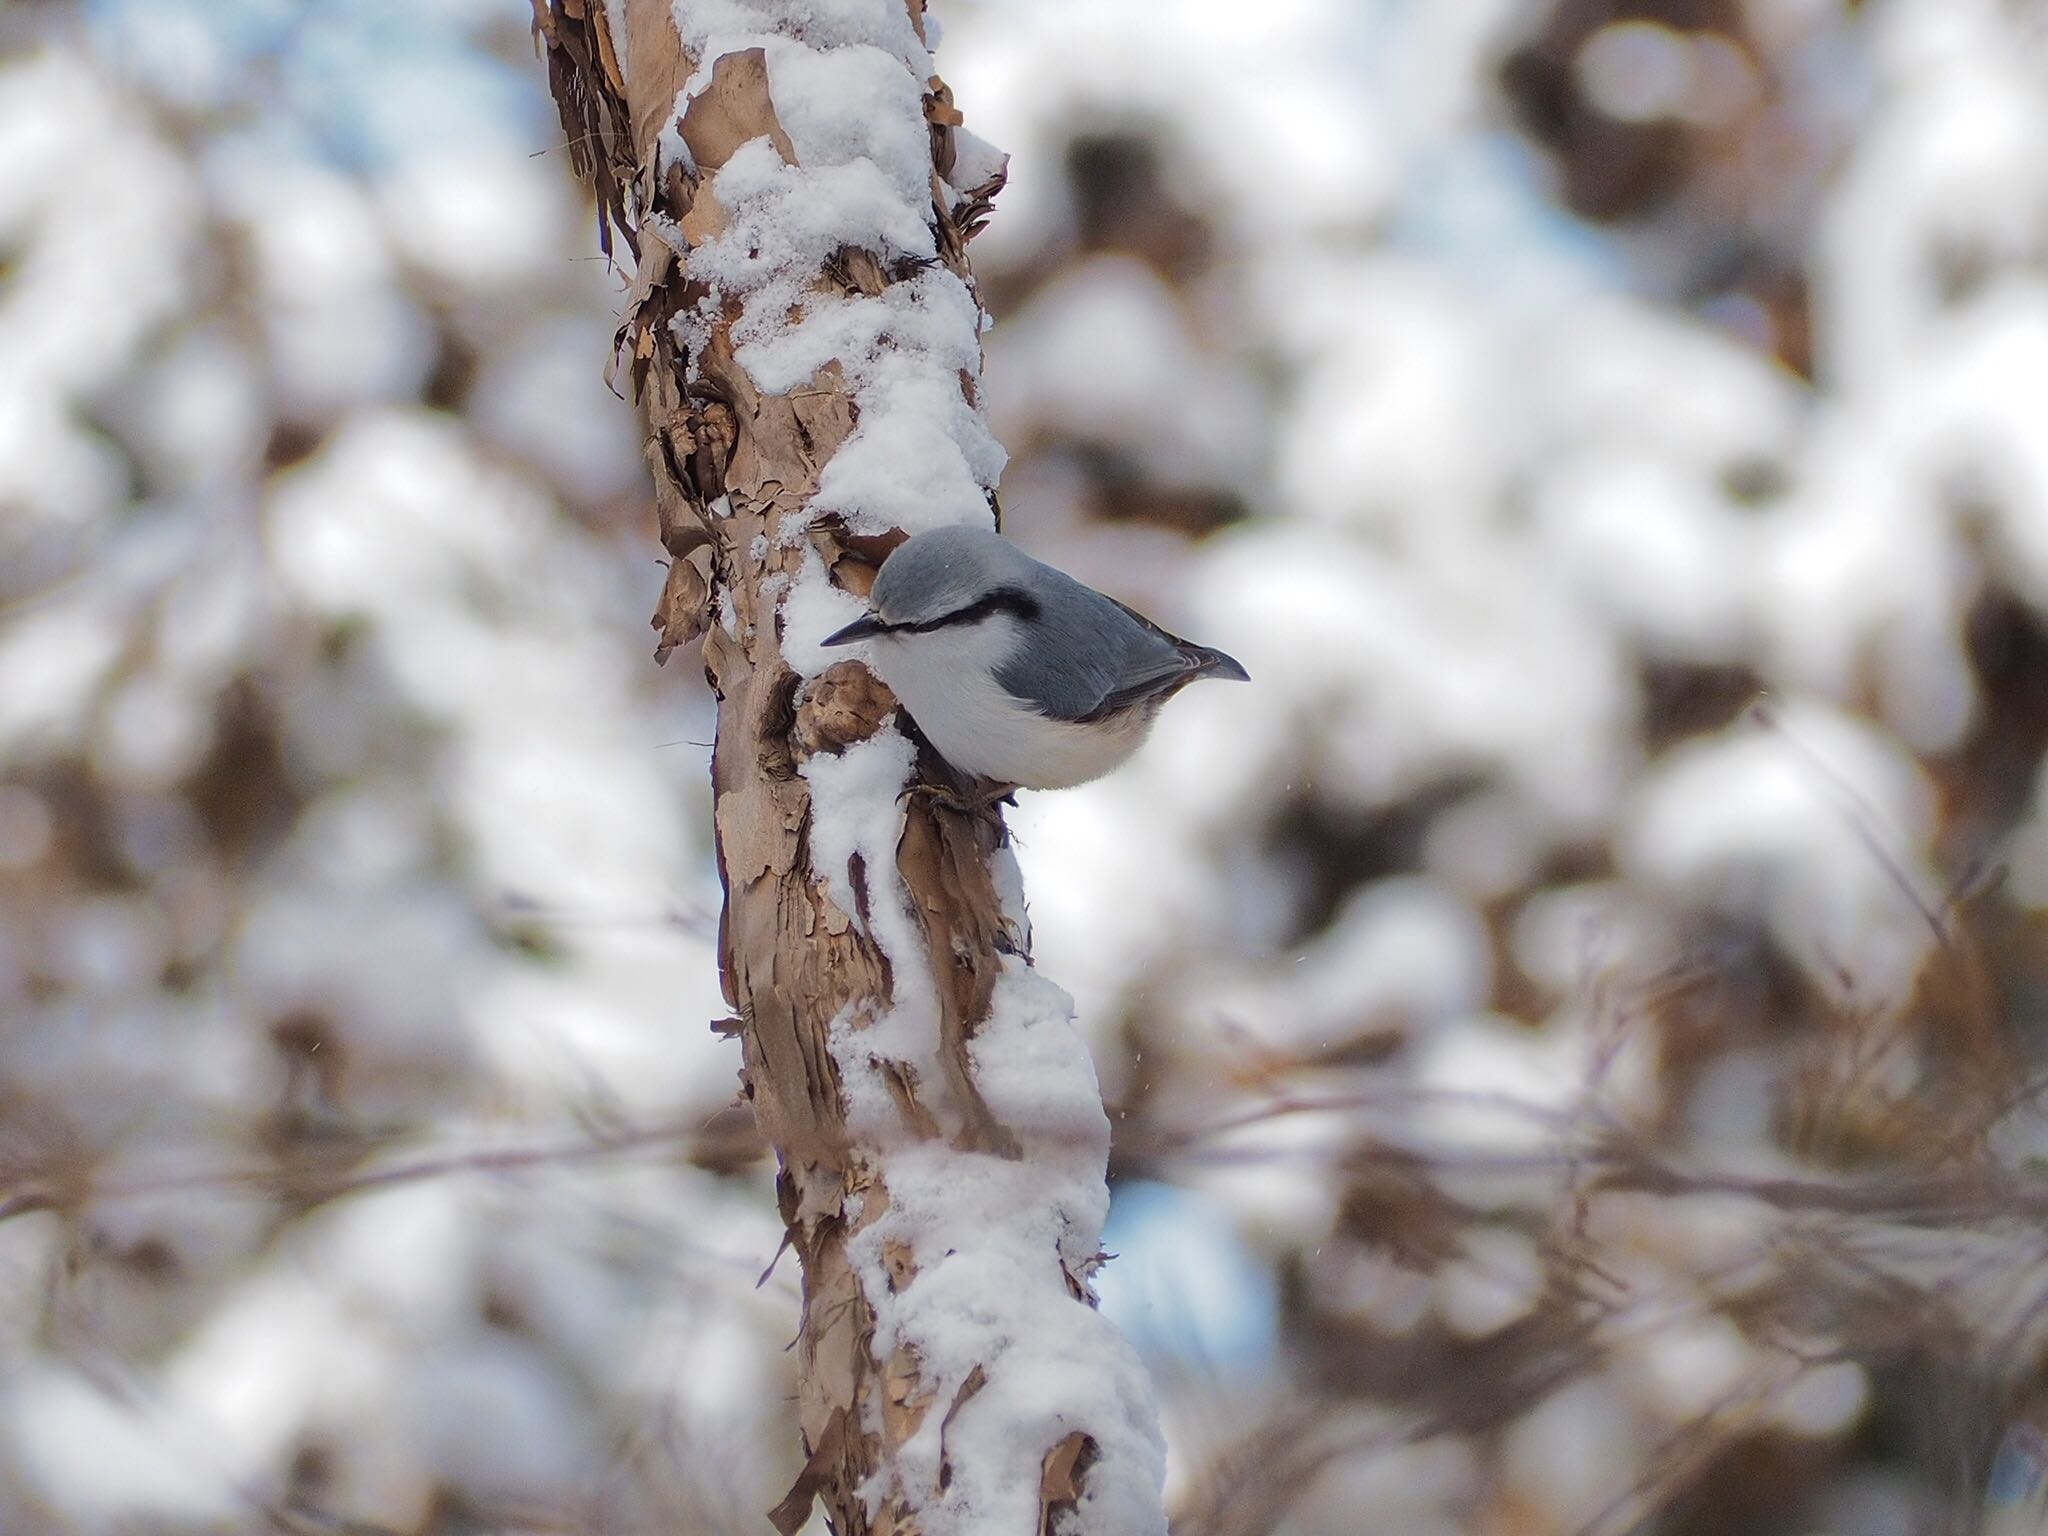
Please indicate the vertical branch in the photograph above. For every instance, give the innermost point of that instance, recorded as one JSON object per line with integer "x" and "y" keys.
{"x": 803, "y": 337}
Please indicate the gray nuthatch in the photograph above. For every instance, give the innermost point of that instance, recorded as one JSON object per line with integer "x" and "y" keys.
{"x": 1015, "y": 672}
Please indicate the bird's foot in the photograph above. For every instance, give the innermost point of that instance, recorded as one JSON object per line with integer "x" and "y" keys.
{"x": 981, "y": 804}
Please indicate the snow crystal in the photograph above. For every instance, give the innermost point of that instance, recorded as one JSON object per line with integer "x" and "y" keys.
{"x": 198, "y": 413}
{"x": 486, "y": 218}
{"x": 1816, "y": 820}
{"x": 1275, "y": 1174}
{"x": 921, "y": 456}
{"x": 1638, "y": 71}
{"x": 342, "y": 331}
{"x": 1565, "y": 937}
{"x": 1271, "y": 113}
{"x": 50, "y": 662}
{"x": 975, "y": 160}
{"x": 854, "y": 105}
{"x": 1400, "y": 955}
{"x": 922, "y": 460}
{"x": 785, "y": 220}
{"x": 1108, "y": 859}
{"x": 1478, "y": 1060}
{"x": 1561, "y": 1455}
{"x": 994, "y": 1240}
{"x": 1496, "y": 1280}
{"x": 713, "y": 27}
{"x": 1394, "y": 672}
{"x": 538, "y": 398}
{"x": 1689, "y": 1365}
{"x": 1095, "y": 352}
{"x": 1823, "y": 1400}
{"x": 494, "y": 1424}
{"x": 856, "y": 811}
{"x": 102, "y": 1460}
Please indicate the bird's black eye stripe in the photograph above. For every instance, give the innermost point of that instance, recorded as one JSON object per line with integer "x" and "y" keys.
{"x": 1011, "y": 600}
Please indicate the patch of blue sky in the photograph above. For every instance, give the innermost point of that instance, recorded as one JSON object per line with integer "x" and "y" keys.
{"x": 1480, "y": 209}
{"x": 1183, "y": 1285}
{"x": 364, "y": 84}
{"x": 1473, "y": 199}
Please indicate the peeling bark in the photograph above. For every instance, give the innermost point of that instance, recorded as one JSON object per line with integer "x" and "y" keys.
{"x": 735, "y": 470}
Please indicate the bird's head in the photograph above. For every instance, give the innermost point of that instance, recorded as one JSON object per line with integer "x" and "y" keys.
{"x": 947, "y": 579}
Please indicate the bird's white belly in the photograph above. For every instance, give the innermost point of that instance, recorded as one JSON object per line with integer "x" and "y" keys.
{"x": 980, "y": 728}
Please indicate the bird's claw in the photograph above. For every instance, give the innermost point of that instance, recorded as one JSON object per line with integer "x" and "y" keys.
{"x": 981, "y": 805}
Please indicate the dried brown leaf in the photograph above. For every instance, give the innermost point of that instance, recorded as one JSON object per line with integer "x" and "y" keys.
{"x": 906, "y": 1397}
{"x": 1059, "y": 1482}
{"x": 938, "y": 105}
{"x": 900, "y": 1259}
{"x": 684, "y": 611}
{"x": 660, "y": 70}
{"x": 734, "y": 109}
{"x": 607, "y": 53}
{"x": 789, "y": 1516}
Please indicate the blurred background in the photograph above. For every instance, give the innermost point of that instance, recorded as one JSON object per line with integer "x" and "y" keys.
{"x": 1572, "y": 1025}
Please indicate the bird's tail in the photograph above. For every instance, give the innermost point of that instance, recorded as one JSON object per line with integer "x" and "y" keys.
{"x": 1209, "y": 662}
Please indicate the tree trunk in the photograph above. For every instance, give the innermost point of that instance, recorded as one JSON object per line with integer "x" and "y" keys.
{"x": 803, "y": 336}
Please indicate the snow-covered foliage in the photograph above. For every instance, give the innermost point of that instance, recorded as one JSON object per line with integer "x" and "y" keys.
{"x": 365, "y": 1149}
{"x": 1640, "y": 698}
{"x": 1492, "y": 1003}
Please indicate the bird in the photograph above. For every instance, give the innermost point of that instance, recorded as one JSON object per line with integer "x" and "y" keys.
{"x": 1016, "y": 673}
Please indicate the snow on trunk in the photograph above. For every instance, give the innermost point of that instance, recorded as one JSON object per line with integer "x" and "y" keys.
{"x": 803, "y": 334}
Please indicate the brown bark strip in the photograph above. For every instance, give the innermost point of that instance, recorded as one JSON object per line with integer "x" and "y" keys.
{"x": 731, "y": 467}
{"x": 1059, "y": 1486}
{"x": 593, "y": 113}
{"x": 794, "y": 1511}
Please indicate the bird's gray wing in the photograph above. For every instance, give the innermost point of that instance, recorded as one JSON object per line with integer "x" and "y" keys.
{"x": 1095, "y": 658}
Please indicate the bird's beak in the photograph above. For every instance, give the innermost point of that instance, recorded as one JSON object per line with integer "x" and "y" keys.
{"x": 866, "y": 627}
